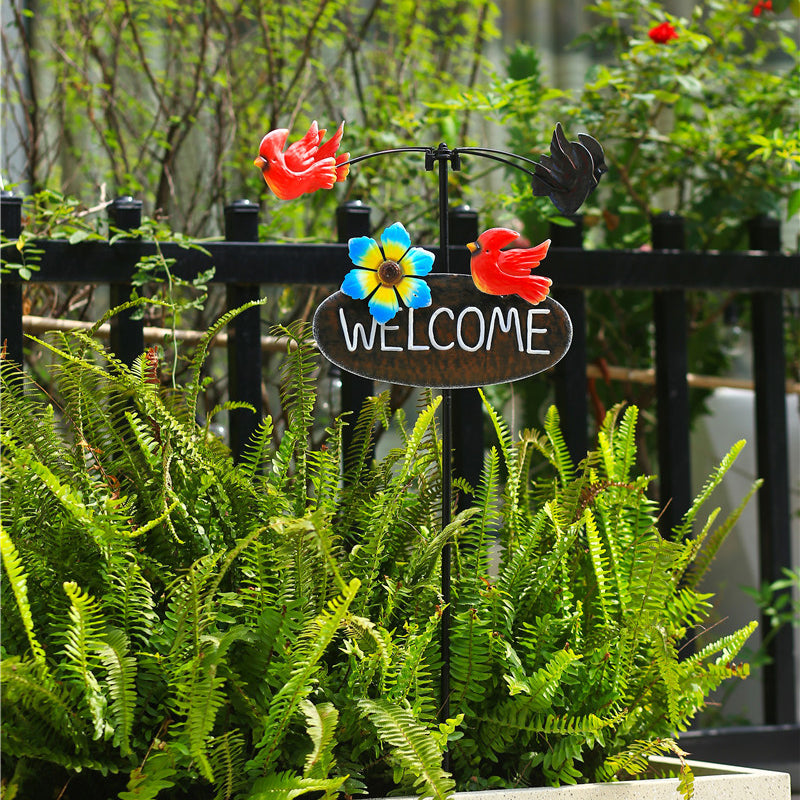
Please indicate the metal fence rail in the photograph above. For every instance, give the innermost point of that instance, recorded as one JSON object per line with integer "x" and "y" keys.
{"x": 243, "y": 265}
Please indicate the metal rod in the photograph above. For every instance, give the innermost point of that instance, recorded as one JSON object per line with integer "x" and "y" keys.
{"x": 447, "y": 466}
{"x": 391, "y": 151}
{"x": 490, "y": 155}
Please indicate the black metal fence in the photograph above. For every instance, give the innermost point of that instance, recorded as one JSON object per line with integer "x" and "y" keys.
{"x": 243, "y": 265}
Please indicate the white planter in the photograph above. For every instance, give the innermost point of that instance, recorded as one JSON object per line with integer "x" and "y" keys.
{"x": 711, "y": 782}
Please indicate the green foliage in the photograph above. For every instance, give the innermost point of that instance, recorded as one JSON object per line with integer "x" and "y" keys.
{"x": 169, "y": 102}
{"x": 179, "y": 625}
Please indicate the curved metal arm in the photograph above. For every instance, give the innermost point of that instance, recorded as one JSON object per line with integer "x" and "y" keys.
{"x": 384, "y": 153}
{"x": 498, "y": 155}
{"x": 502, "y": 156}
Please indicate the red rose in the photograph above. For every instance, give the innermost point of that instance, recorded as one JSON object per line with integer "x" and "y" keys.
{"x": 662, "y": 33}
{"x": 762, "y": 5}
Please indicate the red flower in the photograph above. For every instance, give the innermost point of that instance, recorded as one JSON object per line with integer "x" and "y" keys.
{"x": 662, "y": 33}
{"x": 762, "y": 5}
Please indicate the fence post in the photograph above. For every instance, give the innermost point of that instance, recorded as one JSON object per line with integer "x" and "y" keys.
{"x": 769, "y": 366}
{"x": 126, "y": 338}
{"x": 244, "y": 334}
{"x": 352, "y": 219}
{"x": 11, "y": 291}
{"x": 570, "y": 373}
{"x": 467, "y": 418}
{"x": 672, "y": 388}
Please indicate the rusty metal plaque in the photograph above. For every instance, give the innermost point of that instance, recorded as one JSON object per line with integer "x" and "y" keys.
{"x": 464, "y": 338}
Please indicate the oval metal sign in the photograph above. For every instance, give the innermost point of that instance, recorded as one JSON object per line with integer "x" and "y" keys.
{"x": 464, "y": 338}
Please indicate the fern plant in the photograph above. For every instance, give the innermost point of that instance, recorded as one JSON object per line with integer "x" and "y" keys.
{"x": 573, "y": 655}
{"x": 177, "y": 625}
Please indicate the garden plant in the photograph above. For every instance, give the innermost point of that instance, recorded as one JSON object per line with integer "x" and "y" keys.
{"x": 180, "y": 625}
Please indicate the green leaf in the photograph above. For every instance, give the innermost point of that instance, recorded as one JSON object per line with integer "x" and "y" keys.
{"x": 793, "y": 205}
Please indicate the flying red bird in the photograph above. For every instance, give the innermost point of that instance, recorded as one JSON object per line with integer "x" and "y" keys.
{"x": 498, "y": 271}
{"x": 305, "y": 166}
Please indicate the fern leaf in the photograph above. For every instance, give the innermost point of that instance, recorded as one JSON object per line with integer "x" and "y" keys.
{"x": 255, "y": 455}
{"x": 413, "y": 746}
{"x": 121, "y": 669}
{"x": 19, "y": 586}
{"x": 321, "y": 722}
{"x": 702, "y": 562}
{"x": 713, "y": 480}
{"x": 561, "y": 457}
{"x": 600, "y": 564}
{"x": 147, "y": 780}
{"x": 287, "y": 786}
{"x": 81, "y": 643}
{"x": 226, "y": 754}
{"x": 317, "y": 637}
{"x": 201, "y": 352}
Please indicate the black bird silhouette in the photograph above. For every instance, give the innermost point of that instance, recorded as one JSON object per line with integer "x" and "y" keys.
{"x": 571, "y": 172}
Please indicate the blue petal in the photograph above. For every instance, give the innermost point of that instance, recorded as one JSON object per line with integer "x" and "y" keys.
{"x": 395, "y": 241}
{"x": 383, "y": 305}
{"x": 359, "y": 283}
{"x": 417, "y": 261}
{"x": 414, "y": 292}
{"x": 364, "y": 252}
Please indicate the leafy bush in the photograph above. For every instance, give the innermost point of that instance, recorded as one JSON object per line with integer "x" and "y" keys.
{"x": 179, "y": 625}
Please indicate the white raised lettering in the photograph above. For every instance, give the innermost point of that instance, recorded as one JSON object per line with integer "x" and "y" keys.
{"x": 358, "y": 331}
{"x": 434, "y": 343}
{"x": 411, "y": 345}
{"x": 462, "y": 344}
{"x": 530, "y": 350}
{"x": 505, "y": 325}
{"x": 387, "y": 348}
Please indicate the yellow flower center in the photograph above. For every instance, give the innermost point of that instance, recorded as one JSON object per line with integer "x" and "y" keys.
{"x": 390, "y": 273}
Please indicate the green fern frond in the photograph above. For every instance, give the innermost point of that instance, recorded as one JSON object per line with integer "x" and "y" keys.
{"x": 201, "y": 697}
{"x": 201, "y": 353}
{"x": 600, "y": 565}
{"x": 325, "y": 469}
{"x": 121, "y": 678}
{"x": 470, "y": 664}
{"x": 632, "y": 760}
{"x": 147, "y": 781}
{"x": 256, "y": 451}
{"x": 285, "y": 703}
{"x": 727, "y": 646}
{"x": 226, "y": 754}
{"x": 12, "y": 563}
{"x": 539, "y": 688}
{"x": 130, "y": 600}
{"x": 562, "y": 460}
{"x": 287, "y": 786}
{"x": 669, "y": 671}
{"x": 321, "y": 722}
{"x": 81, "y": 644}
{"x": 684, "y": 529}
{"x": 412, "y": 746}
{"x": 699, "y": 566}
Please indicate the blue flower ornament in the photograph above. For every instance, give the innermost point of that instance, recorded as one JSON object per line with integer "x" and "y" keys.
{"x": 388, "y": 272}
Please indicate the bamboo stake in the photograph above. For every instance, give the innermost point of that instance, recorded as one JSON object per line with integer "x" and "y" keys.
{"x": 275, "y": 344}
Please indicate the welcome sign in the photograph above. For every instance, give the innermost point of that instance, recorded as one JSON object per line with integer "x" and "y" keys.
{"x": 463, "y": 338}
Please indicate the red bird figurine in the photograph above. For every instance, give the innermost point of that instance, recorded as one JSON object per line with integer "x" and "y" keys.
{"x": 305, "y": 166}
{"x": 498, "y": 271}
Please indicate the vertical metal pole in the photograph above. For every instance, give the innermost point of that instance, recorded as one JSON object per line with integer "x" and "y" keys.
{"x": 11, "y": 291}
{"x": 447, "y": 448}
{"x": 774, "y": 516}
{"x": 127, "y": 334}
{"x": 352, "y": 219}
{"x": 570, "y": 372}
{"x": 672, "y": 388}
{"x": 467, "y": 407}
{"x": 244, "y": 339}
